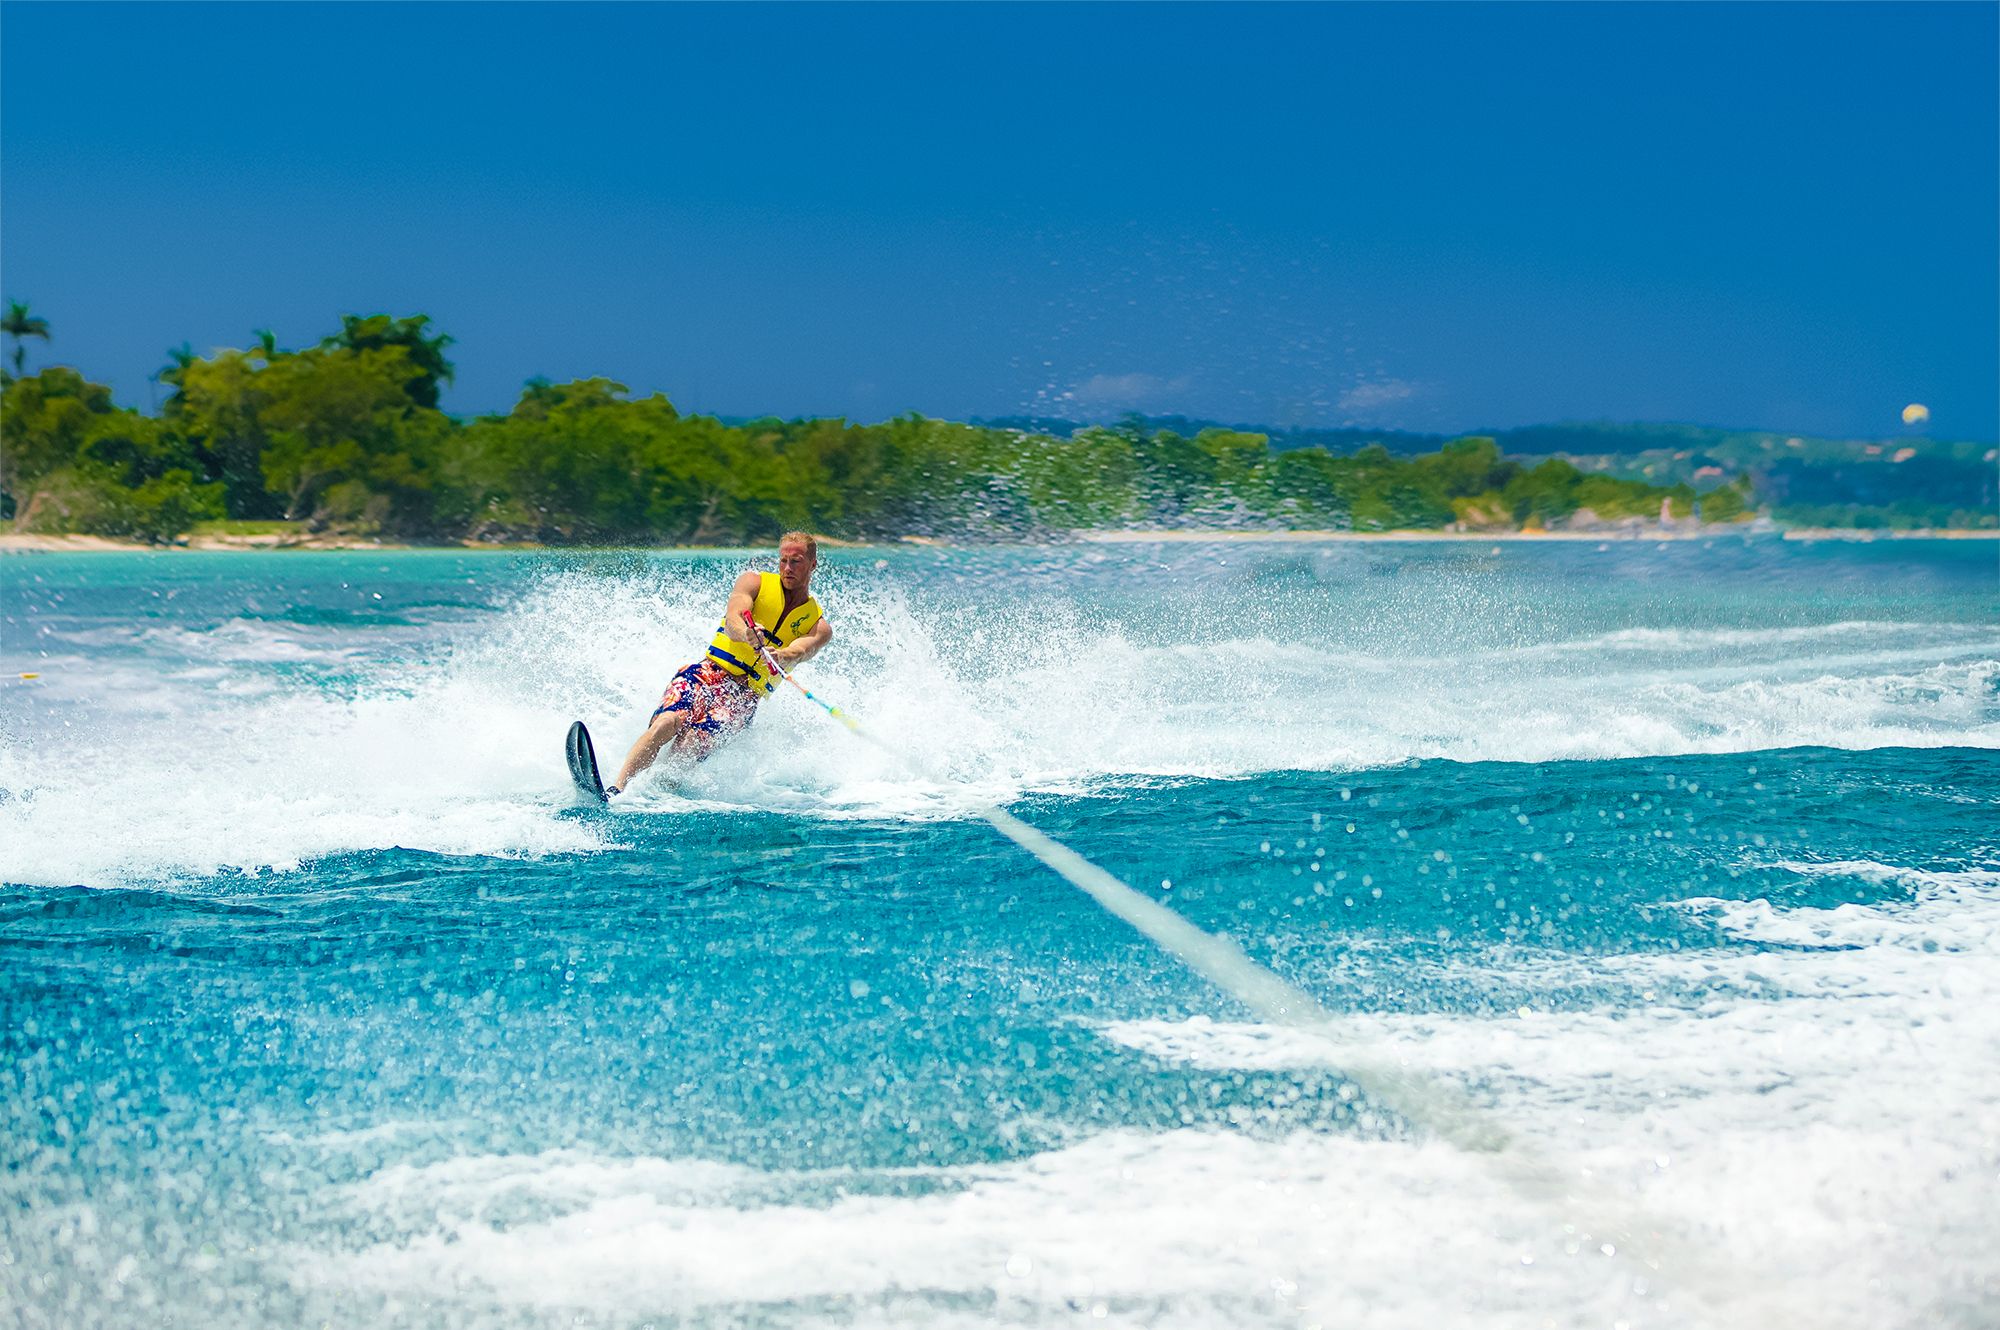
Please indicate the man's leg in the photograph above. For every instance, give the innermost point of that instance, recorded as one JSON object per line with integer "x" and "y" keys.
{"x": 658, "y": 735}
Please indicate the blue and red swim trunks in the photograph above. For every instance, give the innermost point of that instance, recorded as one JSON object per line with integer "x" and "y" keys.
{"x": 716, "y": 701}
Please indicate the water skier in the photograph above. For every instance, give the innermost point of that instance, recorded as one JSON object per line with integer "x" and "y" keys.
{"x": 717, "y": 695}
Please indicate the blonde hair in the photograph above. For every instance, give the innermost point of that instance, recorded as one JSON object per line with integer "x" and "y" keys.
{"x": 804, "y": 538}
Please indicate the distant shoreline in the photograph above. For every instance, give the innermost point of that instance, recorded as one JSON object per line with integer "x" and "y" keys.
{"x": 1649, "y": 536}
{"x": 23, "y": 543}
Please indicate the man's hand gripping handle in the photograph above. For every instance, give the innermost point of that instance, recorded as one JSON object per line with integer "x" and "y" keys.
{"x": 760, "y": 642}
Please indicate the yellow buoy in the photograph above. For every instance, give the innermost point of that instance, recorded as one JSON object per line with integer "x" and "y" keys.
{"x": 1916, "y": 413}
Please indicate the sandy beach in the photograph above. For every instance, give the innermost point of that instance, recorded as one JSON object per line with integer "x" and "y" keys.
{"x": 23, "y": 542}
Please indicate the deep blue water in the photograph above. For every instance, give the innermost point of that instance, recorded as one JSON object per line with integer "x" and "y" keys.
{"x": 320, "y": 1003}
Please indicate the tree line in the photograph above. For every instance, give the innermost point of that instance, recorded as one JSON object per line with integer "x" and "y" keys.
{"x": 346, "y": 436}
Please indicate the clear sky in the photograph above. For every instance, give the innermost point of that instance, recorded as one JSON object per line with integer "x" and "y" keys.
{"x": 1425, "y": 216}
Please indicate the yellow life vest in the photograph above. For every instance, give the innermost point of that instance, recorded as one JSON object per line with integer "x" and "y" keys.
{"x": 740, "y": 658}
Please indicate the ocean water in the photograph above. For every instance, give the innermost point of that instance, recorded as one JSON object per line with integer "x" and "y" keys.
{"x": 1675, "y": 867}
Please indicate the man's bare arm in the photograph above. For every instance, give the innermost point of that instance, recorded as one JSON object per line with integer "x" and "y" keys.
{"x": 741, "y": 597}
{"x": 803, "y": 650}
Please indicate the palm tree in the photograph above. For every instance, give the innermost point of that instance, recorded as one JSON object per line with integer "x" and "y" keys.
{"x": 178, "y": 360}
{"x": 267, "y": 344}
{"x": 20, "y": 324}
{"x": 426, "y": 353}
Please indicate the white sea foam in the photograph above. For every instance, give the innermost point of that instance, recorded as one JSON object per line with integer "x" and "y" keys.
{"x": 1632, "y": 640}
{"x": 1822, "y": 1110}
{"x": 1964, "y": 897}
{"x": 1185, "y": 1228}
{"x": 255, "y": 745}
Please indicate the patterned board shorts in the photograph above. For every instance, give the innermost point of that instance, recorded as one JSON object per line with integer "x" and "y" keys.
{"x": 715, "y": 701}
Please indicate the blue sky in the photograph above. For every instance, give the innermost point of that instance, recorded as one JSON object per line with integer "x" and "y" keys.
{"x": 1425, "y": 216}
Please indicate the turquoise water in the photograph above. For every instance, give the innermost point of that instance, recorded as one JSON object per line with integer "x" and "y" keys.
{"x": 1678, "y": 863}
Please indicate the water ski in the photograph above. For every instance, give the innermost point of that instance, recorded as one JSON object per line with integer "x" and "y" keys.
{"x": 583, "y": 766}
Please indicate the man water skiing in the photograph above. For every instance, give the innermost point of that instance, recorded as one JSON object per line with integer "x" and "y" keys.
{"x": 716, "y": 696}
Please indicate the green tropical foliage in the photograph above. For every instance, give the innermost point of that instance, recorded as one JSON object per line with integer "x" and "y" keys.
{"x": 423, "y": 351}
{"x": 72, "y": 462}
{"x": 20, "y": 325}
{"x": 346, "y": 436}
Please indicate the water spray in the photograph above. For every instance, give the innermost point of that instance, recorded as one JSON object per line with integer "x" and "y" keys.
{"x": 1622, "y": 1232}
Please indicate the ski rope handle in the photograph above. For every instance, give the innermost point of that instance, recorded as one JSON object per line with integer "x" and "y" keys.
{"x": 771, "y": 663}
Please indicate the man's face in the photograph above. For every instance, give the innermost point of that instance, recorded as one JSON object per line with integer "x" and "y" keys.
{"x": 794, "y": 565}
